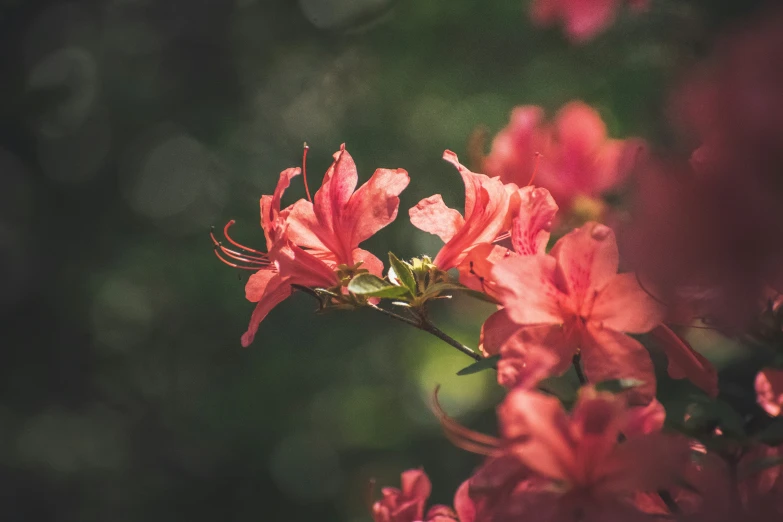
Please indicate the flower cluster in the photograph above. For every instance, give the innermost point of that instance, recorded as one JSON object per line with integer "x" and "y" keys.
{"x": 608, "y": 450}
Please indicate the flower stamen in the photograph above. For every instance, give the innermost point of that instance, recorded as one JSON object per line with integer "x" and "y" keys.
{"x": 304, "y": 172}
{"x": 253, "y": 259}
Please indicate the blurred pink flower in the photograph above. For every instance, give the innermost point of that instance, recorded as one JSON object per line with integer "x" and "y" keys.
{"x": 563, "y": 467}
{"x": 570, "y": 157}
{"x": 769, "y": 390}
{"x": 408, "y": 503}
{"x": 704, "y": 232}
{"x": 582, "y": 19}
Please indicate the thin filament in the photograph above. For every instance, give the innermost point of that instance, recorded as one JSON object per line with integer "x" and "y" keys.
{"x": 535, "y": 168}
{"x": 254, "y": 260}
{"x": 304, "y": 171}
{"x": 463, "y": 437}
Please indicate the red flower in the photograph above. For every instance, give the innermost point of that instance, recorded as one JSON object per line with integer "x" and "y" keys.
{"x": 486, "y": 215}
{"x": 577, "y": 469}
{"x": 407, "y": 504}
{"x": 575, "y": 302}
{"x": 307, "y": 242}
{"x": 583, "y": 19}
{"x": 572, "y": 157}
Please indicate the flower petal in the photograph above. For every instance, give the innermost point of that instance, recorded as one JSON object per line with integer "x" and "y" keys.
{"x": 625, "y": 307}
{"x": 276, "y": 289}
{"x": 303, "y": 268}
{"x": 369, "y": 261}
{"x": 646, "y": 463}
{"x": 432, "y": 215}
{"x": 339, "y": 183}
{"x": 475, "y": 270}
{"x": 608, "y": 355}
{"x": 373, "y": 206}
{"x": 527, "y": 290}
{"x": 305, "y": 230}
{"x": 486, "y": 214}
{"x": 270, "y": 205}
{"x": 685, "y": 362}
{"x": 532, "y": 354}
{"x": 496, "y": 331}
{"x": 537, "y": 428}
{"x": 587, "y": 259}
{"x": 643, "y": 420}
{"x": 533, "y": 221}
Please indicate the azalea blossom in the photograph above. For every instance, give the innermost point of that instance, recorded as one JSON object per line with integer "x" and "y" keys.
{"x": 577, "y": 468}
{"x": 408, "y": 503}
{"x": 582, "y": 19}
{"x": 572, "y": 157}
{"x": 486, "y": 216}
{"x": 533, "y": 210}
{"x": 574, "y": 302}
{"x": 308, "y": 242}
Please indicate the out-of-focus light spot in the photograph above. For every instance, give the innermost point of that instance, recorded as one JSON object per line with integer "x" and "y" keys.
{"x": 127, "y": 28}
{"x": 170, "y": 177}
{"x": 15, "y": 269}
{"x": 73, "y": 71}
{"x": 434, "y": 121}
{"x": 121, "y": 314}
{"x": 359, "y": 416}
{"x": 306, "y": 468}
{"x": 308, "y": 96}
{"x": 341, "y": 14}
{"x": 69, "y": 443}
{"x": 79, "y": 155}
{"x": 459, "y": 395}
{"x": 60, "y": 25}
{"x": 16, "y": 192}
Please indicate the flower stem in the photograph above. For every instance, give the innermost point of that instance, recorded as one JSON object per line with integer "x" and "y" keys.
{"x": 422, "y": 323}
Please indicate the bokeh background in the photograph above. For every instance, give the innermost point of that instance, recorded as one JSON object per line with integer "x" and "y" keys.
{"x": 128, "y": 127}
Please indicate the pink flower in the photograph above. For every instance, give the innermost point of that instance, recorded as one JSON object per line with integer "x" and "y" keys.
{"x": 577, "y": 469}
{"x": 701, "y": 232}
{"x": 486, "y": 215}
{"x": 532, "y": 212}
{"x": 307, "y": 242}
{"x": 571, "y": 157}
{"x": 769, "y": 391}
{"x": 575, "y": 302}
{"x": 407, "y": 504}
{"x": 583, "y": 19}
{"x": 340, "y": 217}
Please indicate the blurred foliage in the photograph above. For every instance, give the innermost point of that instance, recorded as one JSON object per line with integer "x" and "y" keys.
{"x": 128, "y": 127}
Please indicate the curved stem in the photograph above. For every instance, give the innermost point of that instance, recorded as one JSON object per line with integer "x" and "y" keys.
{"x": 422, "y": 323}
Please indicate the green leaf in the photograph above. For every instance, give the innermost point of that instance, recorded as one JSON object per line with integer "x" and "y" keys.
{"x": 404, "y": 273}
{"x": 369, "y": 285}
{"x": 772, "y": 435}
{"x": 618, "y": 385}
{"x": 760, "y": 465}
{"x": 438, "y": 288}
{"x": 478, "y": 366}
